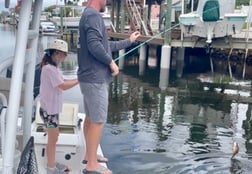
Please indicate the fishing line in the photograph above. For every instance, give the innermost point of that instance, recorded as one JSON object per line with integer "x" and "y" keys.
{"x": 148, "y": 40}
{"x": 153, "y": 37}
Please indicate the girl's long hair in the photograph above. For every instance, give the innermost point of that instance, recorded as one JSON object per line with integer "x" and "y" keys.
{"x": 47, "y": 59}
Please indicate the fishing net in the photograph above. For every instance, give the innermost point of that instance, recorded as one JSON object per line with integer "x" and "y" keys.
{"x": 28, "y": 162}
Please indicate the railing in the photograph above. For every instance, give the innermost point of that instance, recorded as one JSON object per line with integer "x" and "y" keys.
{"x": 27, "y": 37}
{"x": 6, "y": 63}
{"x": 3, "y": 108}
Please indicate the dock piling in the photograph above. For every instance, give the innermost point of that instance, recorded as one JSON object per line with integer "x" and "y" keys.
{"x": 229, "y": 65}
{"x": 142, "y": 59}
{"x": 180, "y": 61}
{"x": 244, "y": 63}
{"x": 121, "y": 61}
{"x": 165, "y": 66}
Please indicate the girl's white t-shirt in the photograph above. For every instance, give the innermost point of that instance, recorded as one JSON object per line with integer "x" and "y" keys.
{"x": 51, "y": 98}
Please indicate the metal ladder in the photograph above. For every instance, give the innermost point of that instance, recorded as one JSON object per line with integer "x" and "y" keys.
{"x": 24, "y": 58}
{"x": 135, "y": 16}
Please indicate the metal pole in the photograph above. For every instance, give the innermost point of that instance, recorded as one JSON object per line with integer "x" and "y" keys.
{"x": 61, "y": 20}
{"x": 122, "y": 14}
{"x": 183, "y": 7}
{"x": 192, "y": 5}
{"x": 28, "y": 102}
{"x": 3, "y": 121}
{"x": 16, "y": 85}
{"x": 182, "y": 12}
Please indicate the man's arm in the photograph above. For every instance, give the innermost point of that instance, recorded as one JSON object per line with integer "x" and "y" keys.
{"x": 122, "y": 44}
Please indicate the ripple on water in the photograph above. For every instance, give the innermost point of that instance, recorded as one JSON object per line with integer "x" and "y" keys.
{"x": 216, "y": 163}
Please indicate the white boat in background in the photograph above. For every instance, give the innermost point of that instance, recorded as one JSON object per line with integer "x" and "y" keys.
{"x": 212, "y": 19}
{"x": 47, "y": 27}
{"x": 73, "y": 22}
{"x": 18, "y": 130}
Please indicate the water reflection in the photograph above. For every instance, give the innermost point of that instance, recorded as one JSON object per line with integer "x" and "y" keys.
{"x": 176, "y": 130}
{"x": 69, "y": 65}
{"x": 8, "y": 41}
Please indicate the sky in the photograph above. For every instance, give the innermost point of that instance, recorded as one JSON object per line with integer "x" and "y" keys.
{"x": 46, "y": 3}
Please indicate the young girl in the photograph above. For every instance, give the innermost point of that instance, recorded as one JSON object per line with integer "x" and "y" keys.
{"x": 51, "y": 86}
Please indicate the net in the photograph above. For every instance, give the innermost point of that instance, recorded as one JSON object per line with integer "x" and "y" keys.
{"x": 28, "y": 162}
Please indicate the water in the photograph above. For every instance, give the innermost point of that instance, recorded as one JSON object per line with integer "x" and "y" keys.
{"x": 8, "y": 40}
{"x": 187, "y": 129}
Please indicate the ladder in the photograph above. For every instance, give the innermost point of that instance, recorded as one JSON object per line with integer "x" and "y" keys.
{"x": 136, "y": 17}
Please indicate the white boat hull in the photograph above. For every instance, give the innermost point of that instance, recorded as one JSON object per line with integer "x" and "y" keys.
{"x": 69, "y": 151}
{"x": 213, "y": 19}
{"x": 70, "y": 148}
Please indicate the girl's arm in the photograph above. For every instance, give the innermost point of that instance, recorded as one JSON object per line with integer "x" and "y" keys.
{"x": 67, "y": 84}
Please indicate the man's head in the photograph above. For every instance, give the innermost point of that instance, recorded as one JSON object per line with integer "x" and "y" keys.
{"x": 99, "y": 5}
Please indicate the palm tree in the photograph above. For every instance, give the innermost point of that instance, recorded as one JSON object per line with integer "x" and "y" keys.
{"x": 67, "y": 2}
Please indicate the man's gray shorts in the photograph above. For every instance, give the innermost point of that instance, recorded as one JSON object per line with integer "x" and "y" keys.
{"x": 95, "y": 101}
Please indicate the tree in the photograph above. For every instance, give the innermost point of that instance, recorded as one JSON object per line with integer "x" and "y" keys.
{"x": 242, "y": 2}
{"x": 71, "y": 2}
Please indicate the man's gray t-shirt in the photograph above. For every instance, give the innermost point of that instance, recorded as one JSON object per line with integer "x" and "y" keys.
{"x": 94, "y": 52}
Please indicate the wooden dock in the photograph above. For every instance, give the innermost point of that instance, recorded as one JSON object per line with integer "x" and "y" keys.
{"x": 236, "y": 42}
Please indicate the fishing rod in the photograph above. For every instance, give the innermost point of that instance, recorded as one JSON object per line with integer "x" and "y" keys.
{"x": 148, "y": 40}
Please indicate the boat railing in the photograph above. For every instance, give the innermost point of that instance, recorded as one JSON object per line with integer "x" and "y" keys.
{"x": 6, "y": 63}
{"x": 27, "y": 37}
{"x": 3, "y": 109}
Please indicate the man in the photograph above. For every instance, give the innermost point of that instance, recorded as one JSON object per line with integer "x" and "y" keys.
{"x": 95, "y": 72}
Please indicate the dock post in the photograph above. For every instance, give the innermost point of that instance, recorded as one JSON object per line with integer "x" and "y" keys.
{"x": 142, "y": 59}
{"x": 229, "y": 65}
{"x": 244, "y": 64}
{"x": 180, "y": 61}
{"x": 211, "y": 63}
{"x": 152, "y": 56}
{"x": 61, "y": 21}
{"x": 165, "y": 66}
{"x": 121, "y": 61}
{"x": 166, "y": 51}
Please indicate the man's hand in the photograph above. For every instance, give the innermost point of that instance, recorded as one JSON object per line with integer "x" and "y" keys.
{"x": 114, "y": 68}
{"x": 134, "y": 36}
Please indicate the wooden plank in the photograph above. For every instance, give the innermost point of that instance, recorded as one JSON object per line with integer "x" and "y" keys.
{"x": 153, "y": 40}
{"x": 193, "y": 42}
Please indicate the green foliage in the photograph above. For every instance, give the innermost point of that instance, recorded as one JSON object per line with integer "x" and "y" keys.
{"x": 221, "y": 79}
{"x": 242, "y": 2}
{"x": 245, "y": 25}
{"x": 71, "y": 2}
{"x": 49, "y": 9}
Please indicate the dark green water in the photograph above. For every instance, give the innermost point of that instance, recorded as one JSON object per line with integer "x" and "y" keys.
{"x": 188, "y": 128}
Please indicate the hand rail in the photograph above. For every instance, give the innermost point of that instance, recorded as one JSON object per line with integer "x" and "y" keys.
{"x": 3, "y": 109}
{"x": 6, "y": 63}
